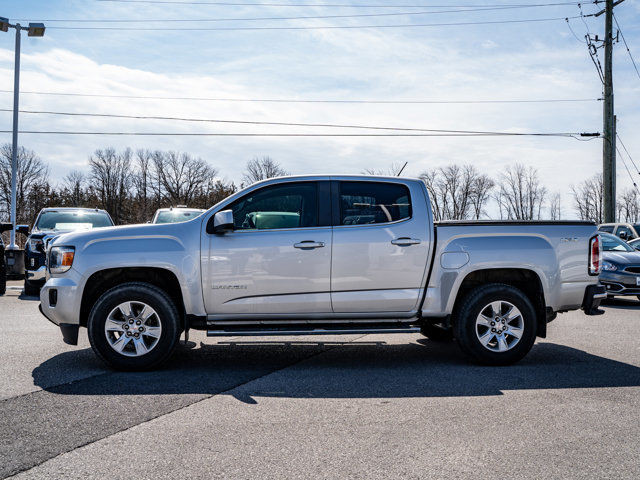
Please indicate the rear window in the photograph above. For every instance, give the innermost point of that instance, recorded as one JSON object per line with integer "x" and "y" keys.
{"x": 364, "y": 203}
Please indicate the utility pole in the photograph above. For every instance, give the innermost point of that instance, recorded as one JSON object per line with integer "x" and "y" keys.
{"x": 609, "y": 141}
{"x": 34, "y": 30}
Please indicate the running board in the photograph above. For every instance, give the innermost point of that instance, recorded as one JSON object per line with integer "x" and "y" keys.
{"x": 268, "y": 332}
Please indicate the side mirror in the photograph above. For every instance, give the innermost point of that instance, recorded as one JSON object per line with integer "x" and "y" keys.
{"x": 623, "y": 235}
{"x": 5, "y": 227}
{"x": 23, "y": 229}
{"x": 222, "y": 222}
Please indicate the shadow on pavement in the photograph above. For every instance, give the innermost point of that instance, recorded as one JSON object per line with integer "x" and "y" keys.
{"x": 622, "y": 303}
{"x": 346, "y": 370}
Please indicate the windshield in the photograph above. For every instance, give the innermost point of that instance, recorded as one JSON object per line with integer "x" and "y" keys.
{"x": 611, "y": 243}
{"x": 72, "y": 220}
{"x": 174, "y": 216}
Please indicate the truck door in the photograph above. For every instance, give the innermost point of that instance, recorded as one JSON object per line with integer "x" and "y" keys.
{"x": 277, "y": 260}
{"x": 380, "y": 246}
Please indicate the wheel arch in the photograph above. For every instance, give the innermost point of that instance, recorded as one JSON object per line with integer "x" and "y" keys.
{"x": 102, "y": 280}
{"x": 526, "y": 280}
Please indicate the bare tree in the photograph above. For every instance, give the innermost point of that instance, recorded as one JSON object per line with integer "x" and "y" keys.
{"x": 555, "y": 208}
{"x": 182, "y": 176}
{"x": 73, "y": 189}
{"x": 480, "y": 194}
{"x": 457, "y": 192}
{"x": 520, "y": 195}
{"x": 629, "y": 206}
{"x": 110, "y": 179}
{"x": 32, "y": 175}
{"x": 261, "y": 169}
{"x": 588, "y": 198}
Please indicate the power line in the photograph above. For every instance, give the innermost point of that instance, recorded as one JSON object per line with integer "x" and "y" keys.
{"x": 627, "y": 46}
{"x": 287, "y": 124}
{"x": 574, "y": 33}
{"x": 187, "y": 134}
{"x": 340, "y": 5}
{"x": 300, "y": 17}
{"x": 293, "y": 100}
{"x": 627, "y": 168}
{"x": 323, "y": 27}
{"x": 628, "y": 154}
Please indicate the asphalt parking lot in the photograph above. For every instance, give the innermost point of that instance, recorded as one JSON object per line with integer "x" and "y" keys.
{"x": 374, "y": 406}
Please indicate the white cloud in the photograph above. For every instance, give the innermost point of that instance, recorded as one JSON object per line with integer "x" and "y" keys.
{"x": 342, "y": 64}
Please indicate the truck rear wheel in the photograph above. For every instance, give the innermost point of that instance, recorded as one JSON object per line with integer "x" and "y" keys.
{"x": 495, "y": 324}
{"x": 134, "y": 326}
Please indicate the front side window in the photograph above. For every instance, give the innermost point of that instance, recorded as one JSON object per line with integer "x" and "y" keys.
{"x": 364, "y": 203}
{"x": 291, "y": 205}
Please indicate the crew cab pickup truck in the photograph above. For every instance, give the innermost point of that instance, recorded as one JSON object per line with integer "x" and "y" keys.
{"x": 320, "y": 255}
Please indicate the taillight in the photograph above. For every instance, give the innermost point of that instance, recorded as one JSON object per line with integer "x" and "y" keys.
{"x": 595, "y": 256}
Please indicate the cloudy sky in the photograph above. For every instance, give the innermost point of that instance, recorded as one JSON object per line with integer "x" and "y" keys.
{"x": 418, "y": 61}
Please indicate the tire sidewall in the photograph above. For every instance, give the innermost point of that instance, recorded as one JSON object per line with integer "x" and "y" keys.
{"x": 474, "y": 303}
{"x": 153, "y": 297}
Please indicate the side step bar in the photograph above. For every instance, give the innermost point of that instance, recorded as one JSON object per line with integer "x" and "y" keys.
{"x": 268, "y": 332}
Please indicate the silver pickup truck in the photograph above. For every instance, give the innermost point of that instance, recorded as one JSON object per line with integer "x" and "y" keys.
{"x": 320, "y": 255}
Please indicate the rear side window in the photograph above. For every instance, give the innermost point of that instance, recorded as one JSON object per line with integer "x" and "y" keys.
{"x": 291, "y": 205}
{"x": 606, "y": 228}
{"x": 364, "y": 203}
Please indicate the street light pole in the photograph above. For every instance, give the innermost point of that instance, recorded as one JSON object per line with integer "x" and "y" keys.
{"x": 14, "y": 148}
{"x": 34, "y": 30}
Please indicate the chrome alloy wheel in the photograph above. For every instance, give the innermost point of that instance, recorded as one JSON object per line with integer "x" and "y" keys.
{"x": 133, "y": 328}
{"x": 499, "y": 326}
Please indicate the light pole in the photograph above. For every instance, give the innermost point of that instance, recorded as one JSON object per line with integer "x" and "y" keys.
{"x": 34, "y": 30}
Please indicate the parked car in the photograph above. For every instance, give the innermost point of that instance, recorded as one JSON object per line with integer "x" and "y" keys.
{"x": 4, "y": 227}
{"x": 620, "y": 267}
{"x": 351, "y": 254}
{"x": 49, "y": 224}
{"x": 635, "y": 243}
{"x": 626, "y": 231}
{"x": 176, "y": 214}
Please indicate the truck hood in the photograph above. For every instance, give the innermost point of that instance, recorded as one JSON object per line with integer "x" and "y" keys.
{"x": 80, "y": 238}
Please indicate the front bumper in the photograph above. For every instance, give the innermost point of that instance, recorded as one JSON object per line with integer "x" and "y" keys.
{"x": 36, "y": 276}
{"x": 593, "y": 295}
{"x": 620, "y": 283}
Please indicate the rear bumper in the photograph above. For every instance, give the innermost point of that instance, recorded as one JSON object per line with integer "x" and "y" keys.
{"x": 593, "y": 295}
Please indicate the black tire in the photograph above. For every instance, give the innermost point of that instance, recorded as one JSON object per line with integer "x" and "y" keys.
{"x": 436, "y": 333}
{"x": 135, "y": 292}
{"x": 471, "y": 307}
{"x": 30, "y": 289}
{"x": 3, "y": 275}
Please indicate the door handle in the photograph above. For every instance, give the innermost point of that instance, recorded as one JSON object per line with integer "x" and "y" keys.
{"x": 308, "y": 244}
{"x": 405, "y": 241}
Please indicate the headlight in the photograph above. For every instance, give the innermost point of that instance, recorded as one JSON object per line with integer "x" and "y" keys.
{"x": 608, "y": 266}
{"x": 61, "y": 259}
{"x": 35, "y": 244}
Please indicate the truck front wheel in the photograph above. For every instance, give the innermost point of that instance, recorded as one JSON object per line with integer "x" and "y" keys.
{"x": 495, "y": 324}
{"x": 134, "y": 326}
